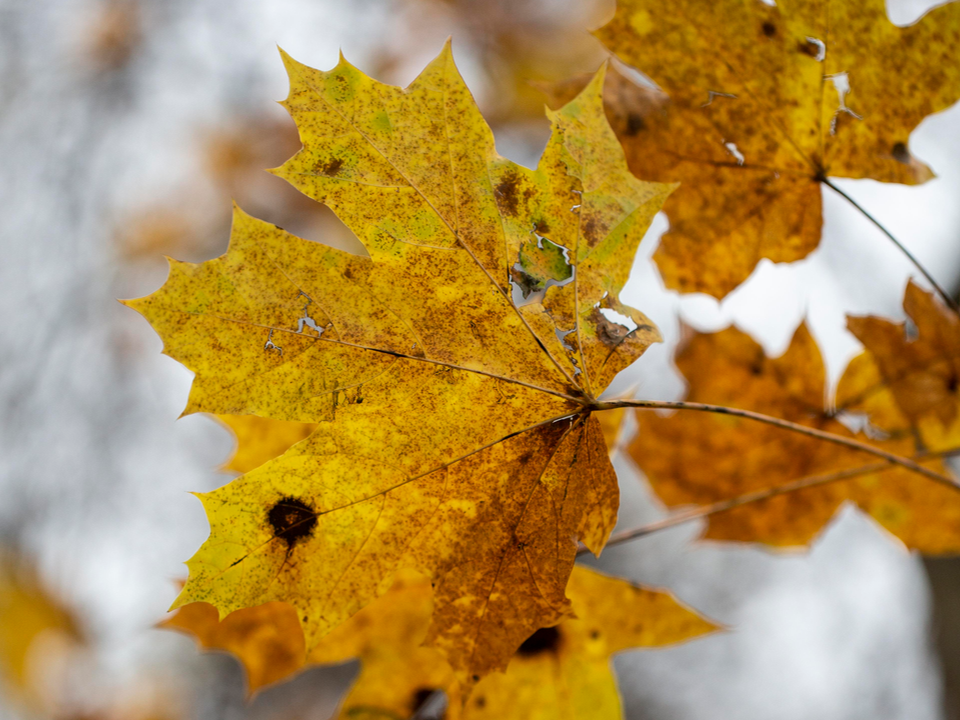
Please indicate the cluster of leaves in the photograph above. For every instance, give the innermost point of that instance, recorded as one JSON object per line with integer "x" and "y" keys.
{"x": 423, "y": 424}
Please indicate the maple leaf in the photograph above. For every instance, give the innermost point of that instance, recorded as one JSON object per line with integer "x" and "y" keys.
{"x": 702, "y": 459}
{"x": 267, "y": 639}
{"x": 455, "y": 430}
{"x": 558, "y": 672}
{"x": 260, "y": 439}
{"x": 758, "y": 103}
{"x": 908, "y": 383}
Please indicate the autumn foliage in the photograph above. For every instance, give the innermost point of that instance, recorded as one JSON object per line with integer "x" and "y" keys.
{"x": 422, "y": 430}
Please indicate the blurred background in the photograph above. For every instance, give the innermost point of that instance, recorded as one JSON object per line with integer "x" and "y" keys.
{"x": 126, "y": 128}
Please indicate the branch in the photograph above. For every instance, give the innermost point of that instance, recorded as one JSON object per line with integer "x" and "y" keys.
{"x": 951, "y": 303}
{"x": 786, "y": 425}
{"x": 803, "y": 483}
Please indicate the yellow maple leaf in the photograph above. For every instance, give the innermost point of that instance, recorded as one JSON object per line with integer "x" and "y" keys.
{"x": 260, "y": 439}
{"x": 701, "y": 459}
{"x": 558, "y": 672}
{"x": 763, "y": 101}
{"x": 455, "y": 428}
{"x": 908, "y": 385}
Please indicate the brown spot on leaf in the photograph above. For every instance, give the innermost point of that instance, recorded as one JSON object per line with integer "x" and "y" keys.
{"x": 592, "y": 231}
{"x": 635, "y": 123}
{"x": 331, "y": 168}
{"x": 506, "y": 193}
{"x": 544, "y": 640}
{"x": 769, "y": 29}
{"x": 900, "y": 153}
{"x": 610, "y": 334}
{"x": 292, "y": 519}
{"x": 809, "y": 47}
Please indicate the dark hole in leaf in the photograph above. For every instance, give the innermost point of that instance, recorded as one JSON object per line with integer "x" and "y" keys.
{"x": 292, "y": 519}
{"x": 543, "y": 640}
{"x": 769, "y": 29}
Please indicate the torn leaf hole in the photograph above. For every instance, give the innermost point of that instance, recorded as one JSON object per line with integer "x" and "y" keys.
{"x": 814, "y": 48}
{"x": 735, "y": 151}
{"x": 841, "y": 83}
{"x": 539, "y": 267}
{"x": 562, "y": 337}
{"x": 544, "y": 640}
{"x": 269, "y": 345}
{"x": 292, "y": 520}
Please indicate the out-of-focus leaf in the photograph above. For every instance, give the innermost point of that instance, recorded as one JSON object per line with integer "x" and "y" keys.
{"x": 759, "y": 102}
{"x": 558, "y": 672}
{"x": 699, "y": 458}
{"x": 907, "y": 380}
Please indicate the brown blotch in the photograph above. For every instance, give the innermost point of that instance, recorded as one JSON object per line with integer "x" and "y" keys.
{"x": 480, "y": 702}
{"x": 591, "y": 231}
{"x": 544, "y": 640}
{"x": 611, "y": 334}
{"x": 635, "y": 124}
{"x": 292, "y": 520}
{"x": 952, "y": 383}
{"x": 769, "y": 29}
{"x": 332, "y": 167}
{"x": 900, "y": 153}
{"x": 506, "y": 193}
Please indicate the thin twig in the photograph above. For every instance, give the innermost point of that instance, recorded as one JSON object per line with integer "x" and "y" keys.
{"x": 786, "y": 425}
{"x": 756, "y": 496}
{"x": 951, "y": 303}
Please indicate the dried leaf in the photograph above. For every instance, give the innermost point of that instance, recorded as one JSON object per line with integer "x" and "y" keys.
{"x": 455, "y": 435}
{"x": 558, "y": 672}
{"x": 267, "y": 639}
{"x": 704, "y": 458}
{"x": 908, "y": 386}
{"x": 762, "y": 100}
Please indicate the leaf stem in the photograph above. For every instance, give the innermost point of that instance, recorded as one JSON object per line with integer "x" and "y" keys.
{"x": 947, "y": 298}
{"x": 803, "y": 483}
{"x": 786, "y": 425}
